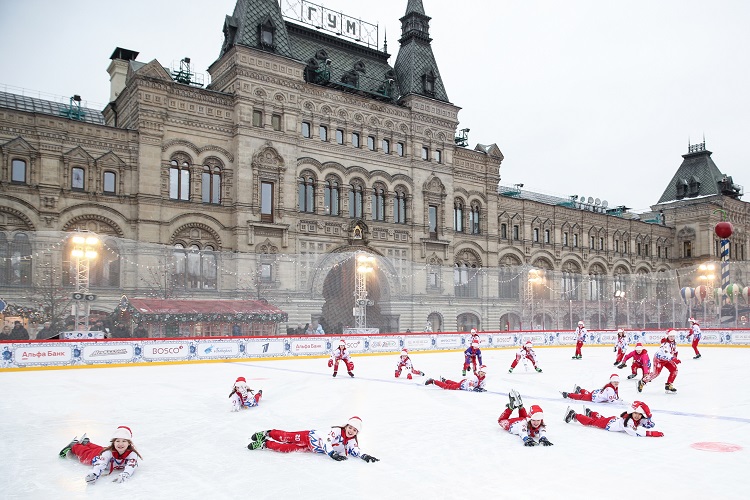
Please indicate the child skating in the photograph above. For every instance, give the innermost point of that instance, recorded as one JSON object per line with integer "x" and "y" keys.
{"x": 529, "y": 426}
{"x": 404, "y": 363}
{"x": 242, "y": 397}
{"x": 341, "y": 353}
{"x": 470, "y": 383}
{"x": 526, "y": 354}
{"x": 119, "y": 459}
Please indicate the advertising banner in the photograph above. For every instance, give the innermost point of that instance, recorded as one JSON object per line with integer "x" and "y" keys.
{"x": 449, "y": 342}
{"x": 107, "y": 353}
{"x": 165, "y": 351}
{"x": 35, "y": 354}
{"x": 417, "y": 343}
{"x": 504, "y": 340}
{"x": 217, "y": 349}
{"x": 385, "y": 344}
{"x": 265, "y": 347}
{"x": 310, "y": 346}
{"x": 741, "y": 337}
{"x": 354, "y": 344}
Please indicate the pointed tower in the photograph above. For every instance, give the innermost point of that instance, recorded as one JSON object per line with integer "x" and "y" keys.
{"x": 257, "y": 24}
{"x": 416, "y": 69}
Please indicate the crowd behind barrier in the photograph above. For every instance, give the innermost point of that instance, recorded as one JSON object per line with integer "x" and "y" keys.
{"x": 85, "y": 351}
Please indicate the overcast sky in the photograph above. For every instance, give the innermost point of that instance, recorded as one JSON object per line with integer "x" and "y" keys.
{"x": 588, "y": 97}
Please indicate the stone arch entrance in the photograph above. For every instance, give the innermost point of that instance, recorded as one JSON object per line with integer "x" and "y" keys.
{"x": 338, "y": 293}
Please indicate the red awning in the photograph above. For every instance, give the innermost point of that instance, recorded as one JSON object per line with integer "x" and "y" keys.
{"x": 177, "y": 306}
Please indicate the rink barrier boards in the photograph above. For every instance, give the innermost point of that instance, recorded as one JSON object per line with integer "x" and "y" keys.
{"x": 92, "y": 353}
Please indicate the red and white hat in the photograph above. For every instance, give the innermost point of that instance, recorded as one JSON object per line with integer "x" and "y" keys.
{"x": 342, "y": 342}
{"x": 123, "y": 432}
{"x": 580, "y": 323}
{"x": 614, "y": 378}
{"x": 535, "y": 413}
{"x": 641, "y": 407}
{"x": 620, "y": 332}
{"x": 528, "y": 344}
{"x": 692, "y": 320}
{"x": 671, "y": 331}
{"x": 240, "y": 379}
{"x": 483, "y": 369}
{"x": 404, "y": 352}
{"x": 355, "y": 422}
{"x": 639, "y": 345}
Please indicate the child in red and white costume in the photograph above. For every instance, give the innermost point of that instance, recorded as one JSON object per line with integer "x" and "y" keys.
{"x": 529, "y": 426}
{"x": 339, "y": 444}
{"x": 580, "y": 339}
{"x": 640, "y": 360}
{"x": 341, "y": 353}
{"x": 526, "y": 352}
{"x": 120, "y": 456}
{"x": 621, "y": 346}
{"x": 607, "y": 394}
{"x": 695, "y": 332}
{"x": 665, "y": 357}
{"x": 404, "y": 363}
{"x": 470, "y": 383}
{"x": 242, "y": 397}
{"x": 634, "y": 422}
{"x": 474, "y": 336}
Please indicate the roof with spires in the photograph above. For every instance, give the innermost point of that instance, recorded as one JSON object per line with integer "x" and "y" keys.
{"x": 698, "y": 176}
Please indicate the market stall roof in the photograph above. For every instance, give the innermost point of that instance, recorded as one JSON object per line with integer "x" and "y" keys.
{"x": 202, "y": 310}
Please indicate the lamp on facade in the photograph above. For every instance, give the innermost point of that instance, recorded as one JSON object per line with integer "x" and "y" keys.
{"x": 364, "y": 265}
{"x": 84, "y": 251}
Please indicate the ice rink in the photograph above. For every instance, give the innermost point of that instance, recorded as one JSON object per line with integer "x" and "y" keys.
{"x": 432, "y": 443}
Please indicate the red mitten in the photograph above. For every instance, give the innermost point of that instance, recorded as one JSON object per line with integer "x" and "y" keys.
{"x": 350, "y": 365}
{"x": 330, "y": 363}
{"x": 654, "y": 434}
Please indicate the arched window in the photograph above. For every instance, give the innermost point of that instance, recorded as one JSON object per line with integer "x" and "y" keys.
{"x": 211, "y": 184}
{"x": 332, "y": 197}
{"x": 306, "y": 193}
{"x": 15, "y": 260}
{"x": 179, "y": 180}
{"x": 474, "y": 218}
{"x": 355, "y": 200}
{"x": 195, "y": 267}
{"x": 378, "y": 203}
{"x": 458, "y": 216}
{"x": 77, "y": 178}
{"x": 18, "y": 171}
{"x": 509, "y": 281}
{"x": 399, "y": 206}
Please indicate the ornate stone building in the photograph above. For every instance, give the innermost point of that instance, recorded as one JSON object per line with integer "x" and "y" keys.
{"x": 305, "y": 150}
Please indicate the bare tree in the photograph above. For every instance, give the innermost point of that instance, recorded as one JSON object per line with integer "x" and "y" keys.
{"x": 53, "y": 299}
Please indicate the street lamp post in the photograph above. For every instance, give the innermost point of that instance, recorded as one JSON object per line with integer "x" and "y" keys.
{"x": 84, "y": 251}
{"x": 364, "y": 267}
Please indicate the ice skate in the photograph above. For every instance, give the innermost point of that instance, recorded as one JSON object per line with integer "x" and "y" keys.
{"x": 538, "y": 370}
{"x": 587, "y": 411}
{"x": 463, "y": 373}
{"x": 257, "y": 445}
{"x": 259, "y": 436}
{"x": 510, "y": 370}
{"x": 515, "y": 399}
{"x": 85, "y": 439}
{"x": 616, "y": 363}
{"x": 641, "y": 385}
{"x": 697, "y": 356}
{"x": 335, "y": 373}
{"x": 632, "y": 376}
{"x": 564, "y": 394}
{"x": 442, "y": 379}
{"x": 669, "y": 389}
{"x": 65, "y": 451}
{"x": 570, "y": 414}
{"x": 429, "y": 381}
{"x": 351, "y": 374}
{"x": 576, "y": 389}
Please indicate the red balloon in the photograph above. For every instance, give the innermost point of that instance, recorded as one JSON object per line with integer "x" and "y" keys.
{"x": 724, "y": 229}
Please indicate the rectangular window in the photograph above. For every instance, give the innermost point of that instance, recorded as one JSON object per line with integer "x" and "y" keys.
{"x": 624, "y": 247}
{"x": 638, "y": 249}
{"x": 658, "y": 251}
{"x": 515, "y": 233}
{"x": 504, "y": 231}
{"x": 276, "y": 122}
{"x": 306, "y": 129}
{"x": 386, "y": 146}
{"x": 575, "y": 241}
{"x": 546, "y": 235}
{"x": 536, "y": 235}
{"x": 109, "y": 183}
{"x": 617, "y": 245}
{"x": 257, "y": 118}
{"x": 339, "y": 136}
{"x": 77, "y": 181}
{"x": 645, "y": 250}
{"x": 266, "y": 273}
{"x": 437, "y": 155}
{"x": 425, "y": 153}
{"x": 370, "y": 143}
{"x": 591, "y": 242}
{"x": 565, "y": 239}
{"x": 323, "y": 133}
{"x": 355, "y": 139}
{"x": 432, "y": 215}
{"x": 18, "y": 171}
{"x": 601, "y": 243}
{"x": 400, "y": 148}
{"x": 266, "y": 201}
{"x": 687, "y": 249}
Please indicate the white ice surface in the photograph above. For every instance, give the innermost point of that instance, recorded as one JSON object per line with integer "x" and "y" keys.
{"x": 433, "y": 444}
